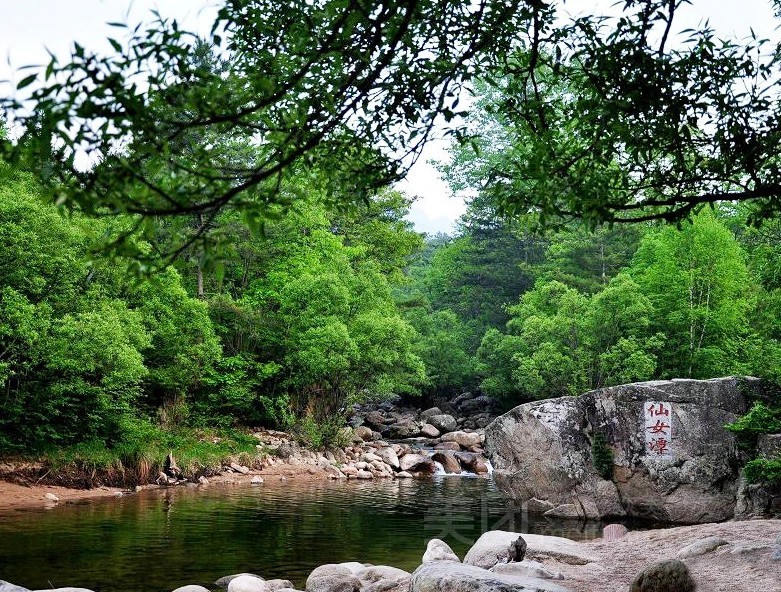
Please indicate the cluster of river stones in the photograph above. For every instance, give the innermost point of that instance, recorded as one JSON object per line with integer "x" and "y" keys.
{"x": 499, "y": 561}
{"x": 388, "y": 441}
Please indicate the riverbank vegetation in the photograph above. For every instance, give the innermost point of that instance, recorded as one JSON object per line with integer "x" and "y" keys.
{"x": 237, "y": 257}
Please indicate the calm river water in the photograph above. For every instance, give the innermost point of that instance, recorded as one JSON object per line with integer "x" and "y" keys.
{"x": 159, "y": 540}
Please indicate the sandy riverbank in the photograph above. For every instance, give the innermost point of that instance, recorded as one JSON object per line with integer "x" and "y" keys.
{"x": 16, "y": 496}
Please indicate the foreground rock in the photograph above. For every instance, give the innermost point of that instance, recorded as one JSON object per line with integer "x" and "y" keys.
{"x": 449, "y": 576}
{"x": 542, "y": 451}
{"x": 332, "y": 578}
{"x": 437, "y": 550}
{"x": 665, "y": 576}
{"x": 9, "y": 587}
{"x": 493, "y": 547}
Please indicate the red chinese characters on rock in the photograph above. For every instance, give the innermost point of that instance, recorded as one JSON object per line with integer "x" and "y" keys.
{"x": 658, "y": 429}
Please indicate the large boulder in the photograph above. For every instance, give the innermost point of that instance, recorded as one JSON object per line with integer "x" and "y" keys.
{"x": 449, "y": 576}
{"x": 389, "y": 457}
{"x": 543, "y": 450}
{"x": 472, "y": 462}
{"x": 464, "y": 439}
{"x": 444, "y": 422}
{"x": 417, "y": 463}
{"x": 448, "y": 461}
{"x": 480, "y": 403}
{"x": 431, "y": 412}
{"x": 402, "y": 429}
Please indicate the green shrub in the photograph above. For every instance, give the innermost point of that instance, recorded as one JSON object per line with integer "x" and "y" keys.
{"x": 602, "y": 456}
{"x": 764, "y": 470}
{"x": 761, "y": 419}
{"x": 321, "y": 434}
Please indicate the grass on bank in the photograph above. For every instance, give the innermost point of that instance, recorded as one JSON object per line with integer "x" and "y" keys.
{"x": 138, "y": 456}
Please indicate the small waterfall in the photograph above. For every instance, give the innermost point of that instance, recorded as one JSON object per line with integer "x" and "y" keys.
{"x": 440, "y": 469}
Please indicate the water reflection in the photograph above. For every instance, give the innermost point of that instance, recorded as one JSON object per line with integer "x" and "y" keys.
{"x": 158, "y": 540}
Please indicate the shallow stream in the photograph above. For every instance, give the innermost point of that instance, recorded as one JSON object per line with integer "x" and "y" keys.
{"x": 159, "y": 540}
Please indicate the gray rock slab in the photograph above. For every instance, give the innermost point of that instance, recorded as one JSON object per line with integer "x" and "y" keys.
{"x": 701, "y": 547}
{"x": 449, "y": 576}
{"x": 493, "y": 547}
{"x": 527, "y": 568}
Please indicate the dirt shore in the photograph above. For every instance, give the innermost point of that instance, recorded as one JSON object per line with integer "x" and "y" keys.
{"x": 14, "y": 496}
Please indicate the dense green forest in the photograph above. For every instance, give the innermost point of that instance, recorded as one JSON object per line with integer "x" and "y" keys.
{"x": 325, "y": 307}
{"x": 235, "y": 254}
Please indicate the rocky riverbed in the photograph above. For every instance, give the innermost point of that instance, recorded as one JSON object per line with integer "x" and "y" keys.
{"x": 386, "y": 441}
{"x": 726, "y": 557}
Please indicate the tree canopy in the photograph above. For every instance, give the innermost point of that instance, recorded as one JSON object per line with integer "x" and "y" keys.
{"x": 610, "y": 118}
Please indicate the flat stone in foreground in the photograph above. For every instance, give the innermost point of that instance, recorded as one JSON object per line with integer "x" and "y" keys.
{"x": 449, "y": 576}
{"x": 9, "y": 587}
{"x": 493, "y": 547}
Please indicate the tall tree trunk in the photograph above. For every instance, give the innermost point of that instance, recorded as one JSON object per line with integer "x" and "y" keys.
{"x": 199, "y": 264}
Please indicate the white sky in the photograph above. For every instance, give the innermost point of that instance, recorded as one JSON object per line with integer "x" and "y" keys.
{"x": 27, "y": 27}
